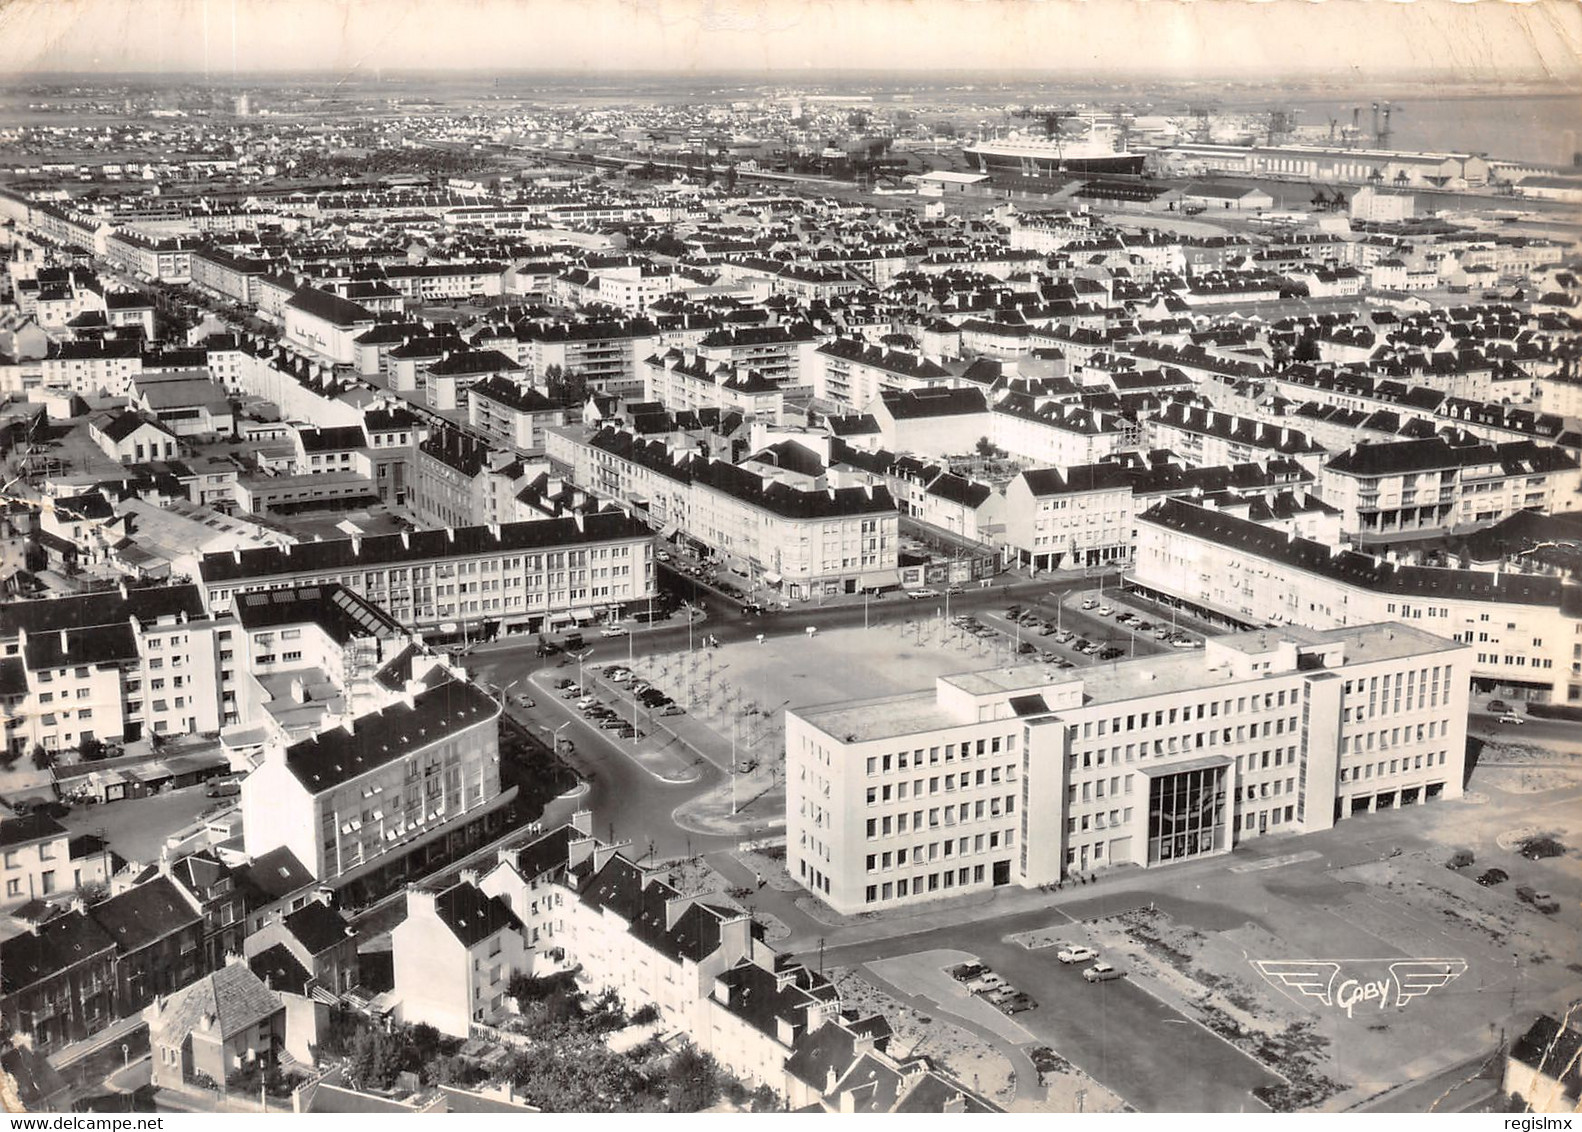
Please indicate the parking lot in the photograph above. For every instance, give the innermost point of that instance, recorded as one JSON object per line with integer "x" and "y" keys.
{"x": 1070, "y": 630}
{"x": 1110, "y": 1028}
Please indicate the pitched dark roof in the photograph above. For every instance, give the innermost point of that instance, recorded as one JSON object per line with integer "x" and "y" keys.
{"x": 318, "y": 926}
{"x": 60, "y": 943}
{"x": 545, "y": 854}
{"x": 1356, "y": 569}
{"x": 960, "y": 490}
{"x": 472, "y": 915}
{"x": 335, "y": 439}
{"x": 107, "y": 644}
{"x": 267, "y": 878}
{"x": 123, "y": 425}
{"x": 1550, "y": 1046}
{"x": 107, "y": 608}
{"x": 920, "y": 404}
{"x": 279, "y": 970}
{"x": 338, "y": 755}
{"x": 33, "y": 827}
{"x": 141, "y": 915}
{"x": 330, "y": 307}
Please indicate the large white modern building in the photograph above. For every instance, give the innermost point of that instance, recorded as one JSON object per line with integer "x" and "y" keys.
{"x": 1024, "y": 775}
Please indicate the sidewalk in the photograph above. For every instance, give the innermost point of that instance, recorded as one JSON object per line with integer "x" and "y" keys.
{"x": 67, "y": 1056}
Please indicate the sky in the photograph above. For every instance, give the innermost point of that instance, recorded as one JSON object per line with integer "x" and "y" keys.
{"x": 1475, "y": 41}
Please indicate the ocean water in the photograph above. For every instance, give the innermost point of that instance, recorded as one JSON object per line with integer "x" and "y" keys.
{"x": 1544, "y": 129}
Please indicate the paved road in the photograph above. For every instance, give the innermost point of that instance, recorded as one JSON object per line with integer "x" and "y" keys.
{"x": 1466, "y": 1087}
{"x": 625, "y": 798}
{"x": 1147, "y": 1052}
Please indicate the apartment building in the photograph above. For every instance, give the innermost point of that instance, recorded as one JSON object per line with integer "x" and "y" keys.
{"x": 685, "y": 381}
{"x": 292, "y": 661}
{"x": 1050, "y": 433}
{"x": 1524, "y": 630}
{"x": 810, "y": 540}
{"x": 57, "y": 981}
{"x": 1023, "y": 775}
{"x": 782, "y": 354}
{"x": 931, "y": 421}
{"x": 513, "y": 575}
{"x": 445, "y": 382}
{"x": 1416, "y": 488}
{"x": 512, "y": 415}
{"x": 168, "y": 260}
{"x": 607, "y": 355}
{"x": 851, "y": 373}
{"x": 706, "y": 968}
{"x": 40, "y": 859}
{"x": 92, "y": 366}
{"x": 229, "y": 276}
{"x": 325, "y": 325}
{"x": 112, "y": 666}
{"x": 1075, "y": 516}
{"x": 378, "y": 787}
{"x": 454, "y": 956}
{"x": 1207, "y": 438}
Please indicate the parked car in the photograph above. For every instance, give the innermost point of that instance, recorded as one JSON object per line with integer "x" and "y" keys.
{"x": 1538, "y": 898}
{"x": 1105, "y": 611}
{"x": 1497, "y": 707}
{"x": 522, "y": 701}
{"x": 1065, "y": 636}
{"x": 571, "y": 692}
{"x": 1102, "y": 973}
{"x": 1512, "y": 717}
{"x": 1076, "y": 953}
{"x": 674, "y": 709}
{"x": 986, "y": 982}
{"x": 563, "y": 683}
{"x": 1110, "y": 652}
{"x": 1491, "y": 877}
{"x": 1017, "y": 1003}
{"x": 962, "y": 972}
{"x": 613, "y": 631}
{"x": 612, "y": 724}
{"x": 922, "y": 593}
{"x": 227, "y": 787}
{"x": 1090, "y": 603}
{"x": 586, "y": 702}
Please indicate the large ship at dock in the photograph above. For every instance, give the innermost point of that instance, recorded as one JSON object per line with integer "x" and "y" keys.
{"x": 1092, "y": 155}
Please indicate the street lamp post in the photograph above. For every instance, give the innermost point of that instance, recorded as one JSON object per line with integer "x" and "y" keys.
{"x": 864, "y": 609}
{"x": 733, "y": 766}
{"x": 581, "y": 657}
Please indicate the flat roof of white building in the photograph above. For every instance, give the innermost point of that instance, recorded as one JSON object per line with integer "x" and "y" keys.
{"x": 1118, "y": 682}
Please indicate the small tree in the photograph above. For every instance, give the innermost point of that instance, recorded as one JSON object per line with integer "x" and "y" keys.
{"x": 41, "y": 757}
{"x": 692, "y": 1081}
{"x": 985, "y": 447}
{"x": 376, "y": 1059}
{"x": 765, "y": 1099}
